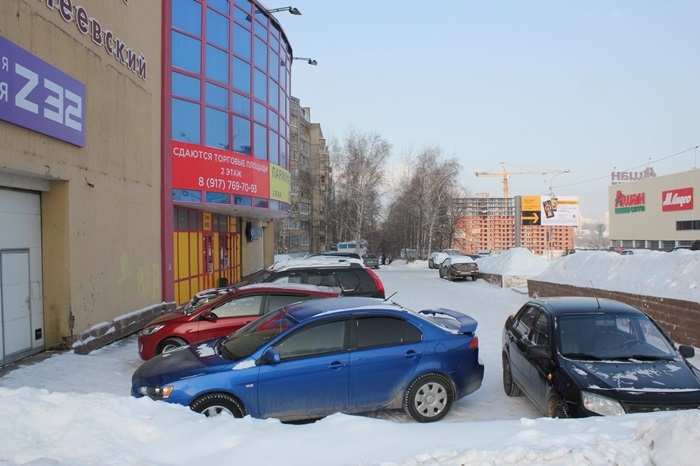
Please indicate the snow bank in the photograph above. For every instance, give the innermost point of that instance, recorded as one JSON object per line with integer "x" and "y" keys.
{"x": 516, "y": 261}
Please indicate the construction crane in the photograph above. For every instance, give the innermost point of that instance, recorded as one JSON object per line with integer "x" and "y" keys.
{"x": 506, "y": 175}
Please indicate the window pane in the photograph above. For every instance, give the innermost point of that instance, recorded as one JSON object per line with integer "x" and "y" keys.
{"x": 274, "y": 66}
{"x": 217, "y": 64}
{"x": 283, "y": 155}
{"x": 273, "y": 121}
{"x": 321, "y": 339}
{"x": 221, "y": 5}
{"x": 260, "y": 54}
{"x": 218, "y": 198}
{"x": 241, "y": 104}
{"x": 187, "y": 53}
{"x": 241, "y": 75}
{"x": 216, "y": 128}
{"x": 274, "y": 147}
{"x": 275, "y": 46}
{"x": 241, "y": 135}
{"x": 379, "y": 331}
{"x": 187, "y": 16}
{"x": 243, "y": 17}
{"x": 241, "y": 41}
{"x": 260, "y": 86}
{"x": 260, "y": 113}
{"x": 185, "y": 121}
{"x": 260, "y": 142}
{"x": 186, "y": 86}
{"x": 217, "y": 29}
{"x": 260, "y": 28}
{"x": 217, "y": 95}
{"x": 243, "y": 200}
{"x": 245, "y": 4}
{"x": 274, "y": 95}
{"x": 184, "y": 195}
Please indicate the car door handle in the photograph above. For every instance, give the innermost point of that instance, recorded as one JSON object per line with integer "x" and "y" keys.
{"x": 410, "y": 354}
{"x": 336, "y": 365}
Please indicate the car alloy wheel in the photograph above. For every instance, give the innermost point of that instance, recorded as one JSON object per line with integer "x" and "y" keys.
{"x": 508, "y": 385}
{"x": 170, "y": 344}
{"x": 428, "y": 398}
{"x": 217, "y": 404}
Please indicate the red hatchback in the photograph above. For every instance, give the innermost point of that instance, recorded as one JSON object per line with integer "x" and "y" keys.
{"x": 222, "y": 315}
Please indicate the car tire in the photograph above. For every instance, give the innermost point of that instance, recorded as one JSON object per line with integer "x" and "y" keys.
{"x": 474, "y": 277}
{"x": 509, "y": 385}
{"x": 430, "y": 265}
{"x": 170, "y": 344}
{"x": 556, "y": 408}
{"x": 428, "y": 398}
{"x": 216, "y": 404}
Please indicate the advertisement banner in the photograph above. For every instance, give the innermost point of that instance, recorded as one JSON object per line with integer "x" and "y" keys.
{"x": 39, "y": 97}
{"x": 280, "y": 184}
{"x": 677, "y": 199}
{"x": 205, "y": 168}
{"x": 560, "y": 210}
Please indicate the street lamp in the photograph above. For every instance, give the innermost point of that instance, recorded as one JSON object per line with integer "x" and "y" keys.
{"x": 307, "y": 60}
{"x": 290, "y": 9}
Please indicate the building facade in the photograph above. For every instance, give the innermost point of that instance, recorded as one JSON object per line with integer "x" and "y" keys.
{"x": 80, "y": 169}
{"x": 657, "y": 213}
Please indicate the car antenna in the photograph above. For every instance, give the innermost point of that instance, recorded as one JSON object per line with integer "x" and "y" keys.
{"x": 389, "y": 297}
{"x": 595, "y": 294}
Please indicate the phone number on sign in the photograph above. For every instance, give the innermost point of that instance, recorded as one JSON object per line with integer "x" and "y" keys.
{"x": 220, "y": 184}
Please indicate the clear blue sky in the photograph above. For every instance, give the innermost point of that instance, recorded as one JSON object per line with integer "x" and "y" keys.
{"x": 589, "y": 86}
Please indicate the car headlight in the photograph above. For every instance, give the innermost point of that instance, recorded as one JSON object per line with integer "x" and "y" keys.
{"x": 157, "y": 393}
{"x": 601, "y": 405}
{"x": 151, "y": 330}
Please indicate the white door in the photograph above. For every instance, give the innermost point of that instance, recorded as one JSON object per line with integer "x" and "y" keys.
{"x": 15, "y": 302}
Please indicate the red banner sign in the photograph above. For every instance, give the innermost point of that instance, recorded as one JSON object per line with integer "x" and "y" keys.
{"x": 203, "y": 168}
{"x": 677, "y": 199}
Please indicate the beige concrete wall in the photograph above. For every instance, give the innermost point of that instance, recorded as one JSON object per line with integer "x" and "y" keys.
{"x": 101, "y": 218}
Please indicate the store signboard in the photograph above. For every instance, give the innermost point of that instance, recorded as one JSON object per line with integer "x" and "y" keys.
{"x": 550, "y": 210}
{"x": 40, "y": 97}
{"x": 677, "y": 199}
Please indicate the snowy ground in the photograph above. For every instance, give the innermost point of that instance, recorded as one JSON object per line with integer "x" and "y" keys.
{"x": 76, "y": 410}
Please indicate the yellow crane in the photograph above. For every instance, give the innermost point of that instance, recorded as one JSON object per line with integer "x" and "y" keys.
{"x": 506, "y": 175}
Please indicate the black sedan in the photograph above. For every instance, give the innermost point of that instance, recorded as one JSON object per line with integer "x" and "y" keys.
{"x": 577, "y": 357}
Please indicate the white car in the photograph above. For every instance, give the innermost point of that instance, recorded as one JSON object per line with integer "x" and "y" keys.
{"x": 435, "y": 259}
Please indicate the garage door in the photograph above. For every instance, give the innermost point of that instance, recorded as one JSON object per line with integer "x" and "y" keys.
{"x": 21, "y": 308}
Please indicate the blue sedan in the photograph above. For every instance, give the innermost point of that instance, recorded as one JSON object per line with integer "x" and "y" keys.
{"x": 319, "y": 357}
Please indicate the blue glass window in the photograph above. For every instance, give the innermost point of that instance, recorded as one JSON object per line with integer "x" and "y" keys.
{"x": 217, "y": 64}
{"x": 218, "y": 198}
{"x": 260, "y": 86}
{"x": 241, "y": 135}
{"x": 274, "y": 205}
{"x": 185, "y": 195}
{"x": 185, "y": 121}
{"x": 186, "y": 86}
{"x": 260, "y": 54}
{"x": 241, "y": 75}
{"x": 216, "y": 128}
{"x": 274, "y": 70}
{"x": 241, "y": 41}
{"x": 274, "y": 44}
{"x": 261, "y": 202}
{"x": 217, "y": 95}
{"x": 260, "y": 28}
{"x": 221, "y": 5}
{"x": 243, "y": 17}
{"x": 274, "y": 95}
{"x": 243, "y": 200}
{"x": 260, "y": 142}
{"x": 241, "y": 104}
{"x": 273, "y": 121}
{"x": 187, "y": 16}
{"x": 245, "y": 4}
{"x": 260, "y": 113}
{"x": 187, "y": 52}
{"x": 217, "y": 29}
{"x": 274, "y": 147}
{"x": 283, "y": 155}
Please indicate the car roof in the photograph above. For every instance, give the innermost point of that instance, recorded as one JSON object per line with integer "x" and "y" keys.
{"x": 461, "y": 259}
{"x": 295, "y": 287}
{"x": 308, "y": 309}
{"x": 315, "y": 263}
{"x": 583, "y": 305}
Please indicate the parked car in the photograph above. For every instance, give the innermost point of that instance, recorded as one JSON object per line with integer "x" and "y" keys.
{"x": 455, "y": 267}
{"x": 223, "y": 315}
{"x": 312, "y": 359}
{"x": 435, "y": 259}
{"x": 353, "y": 255}
{"x": 371, "y": 261}
{"x": 349, "y": 274}
{"x": 577, "y": 357}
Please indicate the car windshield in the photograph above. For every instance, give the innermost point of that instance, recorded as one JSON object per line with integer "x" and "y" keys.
{"x": 606, "y": 336}
{"x": 252, "y": 337}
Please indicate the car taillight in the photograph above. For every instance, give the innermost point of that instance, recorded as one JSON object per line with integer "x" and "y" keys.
{"x": 474, "y": 344}
{"x": 378, "y": 282}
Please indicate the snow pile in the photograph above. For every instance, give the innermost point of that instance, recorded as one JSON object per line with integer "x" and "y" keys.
{"x": 661, "y": 274}
{"x": 516, "y": 261}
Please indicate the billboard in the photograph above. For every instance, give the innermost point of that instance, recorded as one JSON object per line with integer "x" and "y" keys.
{"x": 550, "y": 210}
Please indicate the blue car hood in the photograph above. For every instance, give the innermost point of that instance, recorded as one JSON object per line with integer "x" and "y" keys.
{"x": 188, "y": 361}
{"x": 652, "y": 376}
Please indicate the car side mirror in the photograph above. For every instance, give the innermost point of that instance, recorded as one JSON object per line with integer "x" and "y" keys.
{"x": 210, "y": 316}
{"x": 539, "y": 351}
{"x": 686, "y": 351}
{"x": 272, "y": 357}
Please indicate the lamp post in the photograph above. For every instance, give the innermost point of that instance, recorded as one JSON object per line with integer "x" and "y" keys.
{"x": 310, "y": 61}
{"x": 290, "y": 9}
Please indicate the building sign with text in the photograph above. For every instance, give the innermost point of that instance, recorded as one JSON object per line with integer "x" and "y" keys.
{"x": 205, "y": 168}
{"x": 550, "y": 210}
{"x": 40, "y": 97}
{"x": 677, "y": 199}
{"x": 629, "y": 203}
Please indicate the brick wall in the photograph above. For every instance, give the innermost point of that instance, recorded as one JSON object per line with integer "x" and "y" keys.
{"x": 681, "y": 319}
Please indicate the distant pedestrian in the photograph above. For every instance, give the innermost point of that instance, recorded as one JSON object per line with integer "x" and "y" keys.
{"x": 383, "y": 259}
